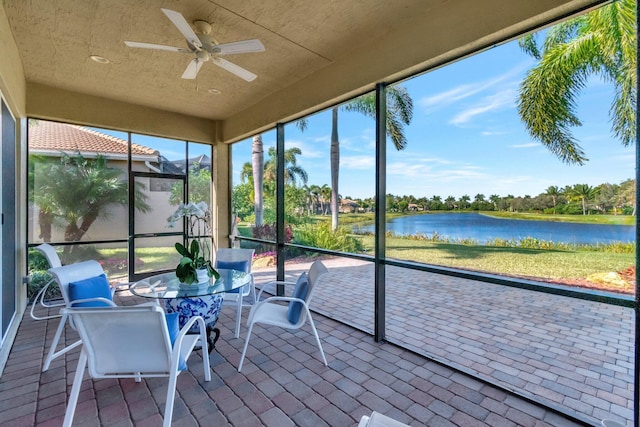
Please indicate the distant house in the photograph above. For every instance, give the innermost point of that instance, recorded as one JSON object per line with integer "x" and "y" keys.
{"x": 202, "y": 162}
{"x": 348, "y": 206}
{"x": 52, "y": 139}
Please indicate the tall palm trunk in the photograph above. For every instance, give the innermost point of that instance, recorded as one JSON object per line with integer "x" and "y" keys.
{"x": 45, "y": 219}
{"x": 335, "y": 167}
{"x": 257, "y": 164}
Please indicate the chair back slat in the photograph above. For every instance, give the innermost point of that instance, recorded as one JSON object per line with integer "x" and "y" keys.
{"x": 73, "y": 273}
{"x": 316, "y": 271}
{"x": 233, "y": 255}
{"x": 124, "y": 340}
{"x": 50, "y": 254}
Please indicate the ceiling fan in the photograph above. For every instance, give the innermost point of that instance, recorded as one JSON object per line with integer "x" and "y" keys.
{"x": 204, "y": 47}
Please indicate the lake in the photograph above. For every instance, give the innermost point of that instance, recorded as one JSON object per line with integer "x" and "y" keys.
{"x": 483, "y": 228}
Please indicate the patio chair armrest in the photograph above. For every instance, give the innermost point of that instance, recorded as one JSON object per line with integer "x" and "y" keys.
{"x": 273, "y": 300}
{"x": 273, "y": 282}
{"x": 119, "y": 287}
{"x": 282, "y": 298}
{"x": 177, "y": 346}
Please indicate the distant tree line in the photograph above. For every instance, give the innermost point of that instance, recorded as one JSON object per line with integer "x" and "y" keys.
{"x": 578, "y": 199}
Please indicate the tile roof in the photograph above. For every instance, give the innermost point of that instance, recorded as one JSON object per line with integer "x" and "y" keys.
{"x": 56, "y": 137}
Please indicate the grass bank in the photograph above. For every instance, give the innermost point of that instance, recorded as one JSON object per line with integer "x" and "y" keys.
{"x": 584, "y": 219}
{"x": 510, "y": 261}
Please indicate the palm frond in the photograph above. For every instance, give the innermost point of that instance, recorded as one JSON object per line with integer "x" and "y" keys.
{"x": 602, "y": 42}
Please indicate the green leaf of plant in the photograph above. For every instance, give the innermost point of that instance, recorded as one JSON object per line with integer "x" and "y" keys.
{"x": 195, "y": 249}
{"x": 182, "y": 250}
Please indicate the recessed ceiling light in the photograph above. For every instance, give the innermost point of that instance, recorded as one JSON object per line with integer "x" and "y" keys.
{"x": 215, "y": 91}
{"x": 99, "y": 59}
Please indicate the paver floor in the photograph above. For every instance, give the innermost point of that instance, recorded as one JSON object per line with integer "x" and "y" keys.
{"x": 573, "y": 354}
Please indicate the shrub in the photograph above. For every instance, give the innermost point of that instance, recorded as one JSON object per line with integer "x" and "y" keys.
{"x": 37, "y": 261}
{"x": 321, "y": 236}
{"x": 268, "y": 232}
{"x": 37, "y": 281}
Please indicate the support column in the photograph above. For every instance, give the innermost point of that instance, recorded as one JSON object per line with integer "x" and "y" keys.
{"x": 280, "y": 207}
{"x": 380, "y": 212}
{"x": 221, "y": 194}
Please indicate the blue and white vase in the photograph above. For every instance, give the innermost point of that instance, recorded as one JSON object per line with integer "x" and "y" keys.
{"x": 207, "y": 306}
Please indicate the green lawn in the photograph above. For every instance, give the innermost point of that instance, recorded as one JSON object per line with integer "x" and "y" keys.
{"x": 587, "y": 219}
{"x": 522, "y": 262}
{"x": 518, "y": 261}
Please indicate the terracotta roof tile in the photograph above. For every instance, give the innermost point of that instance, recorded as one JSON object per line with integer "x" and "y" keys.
{"x": 52, "y": 136}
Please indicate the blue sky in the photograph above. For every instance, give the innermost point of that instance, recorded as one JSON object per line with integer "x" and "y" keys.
{"x": 465, "y": 138}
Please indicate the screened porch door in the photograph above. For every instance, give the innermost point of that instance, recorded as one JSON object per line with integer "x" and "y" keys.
{"x": 152, "y": 243}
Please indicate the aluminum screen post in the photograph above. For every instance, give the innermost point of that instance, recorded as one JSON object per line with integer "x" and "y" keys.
{"x": 380, "y": 212}
{"x": 280, "y": 207}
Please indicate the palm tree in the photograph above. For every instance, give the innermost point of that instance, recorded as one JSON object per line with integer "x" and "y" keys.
{"x": 291, "y": 169}
{"x": 464, "y": 201}
{"x": 246, "y": 172}
{"x": 78, "y": 191}
{"x": 450, "y": 201}
{"x": 601, "y": 43}
{"x": 554, "y": 192}
{"x": 315, "y": 198}
{"x": 494, "y": 198}
{"x": 292, "y": 173}
{"x": 584, "y": 193}
{"x": 399, "y": 113}
{"x": 325, "y": 195}
{"x": 257, "y": 170}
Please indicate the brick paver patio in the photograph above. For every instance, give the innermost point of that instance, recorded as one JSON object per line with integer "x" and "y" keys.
{"x": 570, "y": 354}
{"x": 573, "y": 354}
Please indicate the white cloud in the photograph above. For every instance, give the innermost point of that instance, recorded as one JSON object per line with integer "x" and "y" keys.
{"x": 526, "y": 145}
{"x": 308, "y": 150}
{"x": 492, "y": 133}
{"x": 357, "y": 162}
{"x": 498, "y": 101}
{"x": 458, "y": 93}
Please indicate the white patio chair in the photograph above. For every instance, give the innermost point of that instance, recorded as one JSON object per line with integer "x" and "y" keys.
{"x": 64, "y": 275}
{"x": 133, "y": 342}
{"x": 53, "y": 259}
{"x": 376, "y": 419}
{"x": 293, "y": 315}
{"x": 237, "y": 259}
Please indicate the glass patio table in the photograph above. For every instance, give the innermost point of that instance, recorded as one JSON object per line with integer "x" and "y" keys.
{"x": 203, "y": 299}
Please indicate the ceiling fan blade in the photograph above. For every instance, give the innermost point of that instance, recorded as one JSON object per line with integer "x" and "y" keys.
{"x": 183, "y": 26}
{"x": 156, "y": 46}
{"x": 235, "y": 69}
{"x": 245, "y": 46}
{"x": 192, "y": 69}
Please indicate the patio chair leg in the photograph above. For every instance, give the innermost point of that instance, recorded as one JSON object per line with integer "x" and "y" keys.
{"x": 75, "y": 390}
{"x": 171, "y": 394}
{"x": 238, "y": 315}
{"x": 52, "y": 350}
{"x": 246, "y": 344}
{"x": 315, "y": 332}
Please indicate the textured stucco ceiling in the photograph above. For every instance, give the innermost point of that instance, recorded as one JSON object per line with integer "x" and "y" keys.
{"x": 317, "y": 51}
{"x": 56, "y": 38}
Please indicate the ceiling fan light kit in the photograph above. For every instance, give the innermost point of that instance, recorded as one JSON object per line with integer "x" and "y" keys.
{"x": 204, "y": 48}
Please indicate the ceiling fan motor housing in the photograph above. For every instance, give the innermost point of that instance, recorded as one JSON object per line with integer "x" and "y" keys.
{"x": 203, "y": 55}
